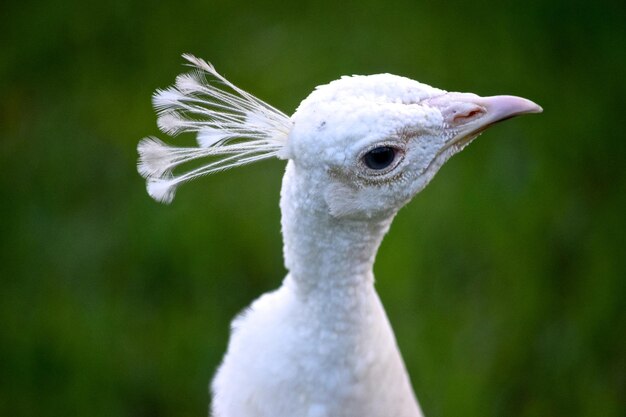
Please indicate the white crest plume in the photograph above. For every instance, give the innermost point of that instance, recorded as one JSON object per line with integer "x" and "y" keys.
{"x": 233, "y": 127}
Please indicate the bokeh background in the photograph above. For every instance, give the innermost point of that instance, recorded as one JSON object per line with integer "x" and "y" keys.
{"x": 504, "y": 279}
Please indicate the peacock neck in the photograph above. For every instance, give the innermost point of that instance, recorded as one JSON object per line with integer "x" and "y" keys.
{"x": 325, "y": 255}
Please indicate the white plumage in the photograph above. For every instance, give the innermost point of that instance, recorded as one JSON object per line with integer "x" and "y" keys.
{"x": 358, "y": 149}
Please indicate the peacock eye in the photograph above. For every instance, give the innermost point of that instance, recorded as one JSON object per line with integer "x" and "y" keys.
{"x": 379, "y": 158}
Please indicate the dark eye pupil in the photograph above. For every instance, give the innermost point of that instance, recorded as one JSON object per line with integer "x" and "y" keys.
{"x": 379, "y": 158}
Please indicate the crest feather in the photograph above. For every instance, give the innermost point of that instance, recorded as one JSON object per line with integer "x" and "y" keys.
{"x": 233, "y": 127}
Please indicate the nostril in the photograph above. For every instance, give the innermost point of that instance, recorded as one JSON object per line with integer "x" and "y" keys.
{"x": 466, "y": 116}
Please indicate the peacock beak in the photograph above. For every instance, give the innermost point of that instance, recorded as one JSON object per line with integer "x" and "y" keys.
{"x": 467, "y": 115}
{"x": 499, "y": 108}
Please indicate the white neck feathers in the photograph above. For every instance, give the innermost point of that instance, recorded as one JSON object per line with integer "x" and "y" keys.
{"x": 322, "y": 253}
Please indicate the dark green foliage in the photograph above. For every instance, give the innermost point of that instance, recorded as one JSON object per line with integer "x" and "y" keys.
{"x": 505, "y": 279}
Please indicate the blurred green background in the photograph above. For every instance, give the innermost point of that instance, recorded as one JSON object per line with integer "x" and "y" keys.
{"x": 504, "y": 279}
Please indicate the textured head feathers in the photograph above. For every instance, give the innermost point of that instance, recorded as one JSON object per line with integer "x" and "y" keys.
{"x": 233, "y": 128}
{"x": 332, "y": 131}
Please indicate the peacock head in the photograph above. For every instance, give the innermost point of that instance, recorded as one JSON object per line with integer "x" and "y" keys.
{"x": 367, "y": 143}
{"x": 376, "y": 141}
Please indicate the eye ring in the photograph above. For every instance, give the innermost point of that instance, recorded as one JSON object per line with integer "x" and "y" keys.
{"x": 381, "y": 158}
